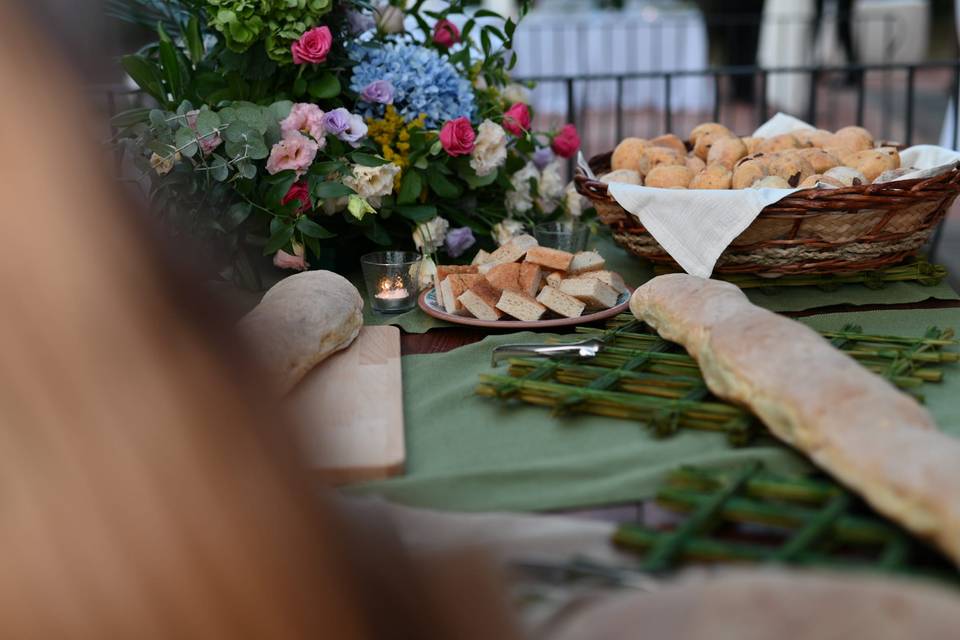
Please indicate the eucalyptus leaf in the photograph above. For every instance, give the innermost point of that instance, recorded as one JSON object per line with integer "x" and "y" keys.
{"x": 236, "y": 214}
{"x": 280, "y": 110}
{"x": 219, "y": 170}
{"x": 186, "y": 141}
{"x": 207, "y": 122}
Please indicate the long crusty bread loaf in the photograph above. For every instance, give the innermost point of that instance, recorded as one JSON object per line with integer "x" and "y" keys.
{"x": 853, "y": 423}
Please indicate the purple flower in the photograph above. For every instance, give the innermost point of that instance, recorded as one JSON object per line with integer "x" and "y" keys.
{"x": 542, "y": 157}
{"x": 360, "y": 22}
{"x": 336, "y": 121}
{"x": 379, "y": 91}
{"x": 356, "y": 130}
{"x": 459, "y": 240}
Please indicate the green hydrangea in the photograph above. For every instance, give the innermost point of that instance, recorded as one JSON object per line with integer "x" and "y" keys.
{"x": 277, "y": 23}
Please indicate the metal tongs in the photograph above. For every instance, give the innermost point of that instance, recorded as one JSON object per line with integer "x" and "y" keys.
{"x": 583, "y": 349}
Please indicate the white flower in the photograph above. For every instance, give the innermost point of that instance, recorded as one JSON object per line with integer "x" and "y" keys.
{"x": 429, "y": 236}
{"x": 519, "y": 199}
{"x": 516, "y": 93}
{"x": 480, "y": 82}
{"x": 573, "y": 202}
{"x": 517, "y": 202}
{"x": 506, "y": 230}
{"x": 428, "y": 269}
{"x": 490, "y": 148}
{"x": 389, "y": 18}
{"x": 550, "y": 188}
{"x": 372, "y": 181}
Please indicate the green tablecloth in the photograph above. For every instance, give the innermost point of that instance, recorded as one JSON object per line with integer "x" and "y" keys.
{"x": 474, "y": 454}
{"x": 635, "y": 272}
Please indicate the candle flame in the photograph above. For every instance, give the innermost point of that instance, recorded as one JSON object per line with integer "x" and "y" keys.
{"x": 391, "y": 284}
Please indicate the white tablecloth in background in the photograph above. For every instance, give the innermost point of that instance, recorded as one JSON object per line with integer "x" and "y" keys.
{"x": 559, "y": 43}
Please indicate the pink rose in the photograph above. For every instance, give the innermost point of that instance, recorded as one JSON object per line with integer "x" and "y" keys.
{"x": 457, "y": 137}
{"x": 313, "y": 46}
{"x": 207, "y": 143}
{"x": 284, "y": 260}
{"x": 516, "y": 120}
{"x": 299, "y": 191}
{"x": 295, "y": 152}
{"x": 307, "y": 119}
{"x": 566, "y": 142}
{"x": 445, "y": 33}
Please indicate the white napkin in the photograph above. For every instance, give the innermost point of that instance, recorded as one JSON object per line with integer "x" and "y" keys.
{"x": 695, "y": 226}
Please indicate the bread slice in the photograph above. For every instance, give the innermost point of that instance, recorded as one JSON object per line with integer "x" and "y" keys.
{"x": 520, "y": 306}
{"x": 481, "y": 300}
{"x": 482, "y": 257}
{"x": 554, "y": 278}
{"x": 585, "y": 261}
{"x": 550, "y": 258}
{"x": 596, "y": 294}
{"x": 530, "y": 278}
{"x": 452, "y": 287}
{"x": 607, "y": 277}
{"x": 443, "y": 271}
{"x": 513, "y": 250}
{"x": 504, "y": 276}
{"x": 560, "y": 302}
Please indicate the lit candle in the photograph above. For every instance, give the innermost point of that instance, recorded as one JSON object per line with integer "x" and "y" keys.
{"x": 392, "y": 295}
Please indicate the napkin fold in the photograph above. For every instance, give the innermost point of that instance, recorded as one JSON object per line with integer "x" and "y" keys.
{"x": 695, "y": 226}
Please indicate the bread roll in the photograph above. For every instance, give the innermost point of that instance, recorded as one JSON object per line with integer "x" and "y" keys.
{"x": 892, "y": 174}
{"x": 669, "y": 177}
{"x": 627, "y": 154}
{"x": 771, "y": 182}
{"x": 791, "y": 167}
{"x": 752, "y": 144}
{"x": 670, "y": 141}
{"x": 706, "y": 139}
{"x": 301, "y": 321}
{"x": 779, "y": 143}
{"x": 873, "y": 438}
{"x": 715, "y": 176}
{"x": 726, "y": 151}
{"x": 806, "y": 136}
{"x": 825, "y": 182}
{"x": 628, "y": 176}
{"x": 856, "y": 138}
{"x": 872, "y": 162}
{"x": 653, "y": 157}
{"x": 819, "y": 159}
{"x": 847, "y": 176}
{"x": 746, "y": 173}
{"x": 708, "y": 127}
{"x": 820, "y": 138}
{"x": 695, "y": 164}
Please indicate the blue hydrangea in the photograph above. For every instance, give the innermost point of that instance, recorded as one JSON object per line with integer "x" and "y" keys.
{"x": 423, "y": 82}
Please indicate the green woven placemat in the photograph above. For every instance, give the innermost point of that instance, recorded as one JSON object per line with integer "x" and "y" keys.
{"x": 635, "y": 272}
{"x": 470, "y": 453}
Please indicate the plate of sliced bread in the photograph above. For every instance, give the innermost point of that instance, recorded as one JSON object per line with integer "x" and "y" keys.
{"x": 524, "y": 285}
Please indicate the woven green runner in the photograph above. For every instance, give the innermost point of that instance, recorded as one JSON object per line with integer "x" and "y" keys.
{"x": 471, "y": 453}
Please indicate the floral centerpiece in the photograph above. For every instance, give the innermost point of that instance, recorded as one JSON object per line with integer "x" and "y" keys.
{"x": 308, "y": 129}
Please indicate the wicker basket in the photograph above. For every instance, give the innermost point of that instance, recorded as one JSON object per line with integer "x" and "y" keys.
{"x": 811, "y": 231}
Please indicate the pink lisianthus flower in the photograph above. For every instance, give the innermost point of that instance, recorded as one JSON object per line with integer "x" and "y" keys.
{"x": 516, "y": 119}
{"x": 457, "y": 137}
{"x": 445, "y": 33}
{"x": 566, "y": 142}
{"x": 307, "y": 119}
{"x": 207, "y": 143}
{"x": 299, "y": 191}
{"x": 313, "y": 46}
{"x": 295, "y": 152}
{"x": 284, "y": 260}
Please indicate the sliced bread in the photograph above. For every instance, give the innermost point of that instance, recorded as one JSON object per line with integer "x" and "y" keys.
{"x": 585, "y": 261}
{"x": 596, "y": 294}
{"x": 513, "y": 250}
{"x": 553, "y": 279}
{"x": 452, "y": 287}
{"x": 610, "y": 278}
{"x": 550, "y": 258}
{"x": 481, "y": 300}
{"x": 445, "y": 270}
{"x": 504, "y": 276}
{"x": 520, "y": 306}
{"x": 530, "y": 277}
{"x": 560, "y": 302}
{"x": 482, "y": 257}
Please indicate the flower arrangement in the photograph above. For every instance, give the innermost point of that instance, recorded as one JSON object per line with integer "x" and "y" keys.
{"x": 305, "y": 130}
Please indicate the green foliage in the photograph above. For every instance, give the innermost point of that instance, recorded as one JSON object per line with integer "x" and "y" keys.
{"x": 277, "y": 23}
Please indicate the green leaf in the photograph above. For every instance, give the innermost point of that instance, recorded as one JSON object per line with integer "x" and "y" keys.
{"x": 310, "y": 228}
{"x": 247, "y": 169}
{"x": 299, "y": 87}
{"x": 171, "y": 69}
{"x": 326, "y": 167}
{"x": 332, "y": 190}
{"x": 186, "y": 141}
{"x": 278, "y": 240}
{"x": 418, "y": 213}
{"x": 131, "y": 117}
{"x": 410, "y": 188}
{"x": 219, "y": 169}
{"x": 279, "y": 188}
{"x": 207, "y": 122}
{"x": 194, "y": 40}
{"x": 378, "y": 234}
{"x": 325, "y": 87}
{"x": 236, "y": 215}
{"x": 280, "y": 110}
{"x": 367, "y": 160}
{"x": 146, "y": 75}
{"x": 443, "y": 186}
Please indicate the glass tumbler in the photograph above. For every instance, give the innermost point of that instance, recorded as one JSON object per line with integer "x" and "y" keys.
{"x": 393, "y": 280}
{"x": 566, "y": 236}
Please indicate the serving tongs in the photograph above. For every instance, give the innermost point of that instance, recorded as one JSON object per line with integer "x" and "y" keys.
{"x": 581, "y": 350}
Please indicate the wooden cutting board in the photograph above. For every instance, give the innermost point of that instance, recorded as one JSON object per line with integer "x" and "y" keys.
{"x": 350, "y": 410}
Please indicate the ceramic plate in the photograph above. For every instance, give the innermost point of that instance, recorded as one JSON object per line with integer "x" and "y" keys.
{"x": 428, "y": 302}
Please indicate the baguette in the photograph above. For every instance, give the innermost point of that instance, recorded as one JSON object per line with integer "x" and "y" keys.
{"x": 876, "y": 440}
